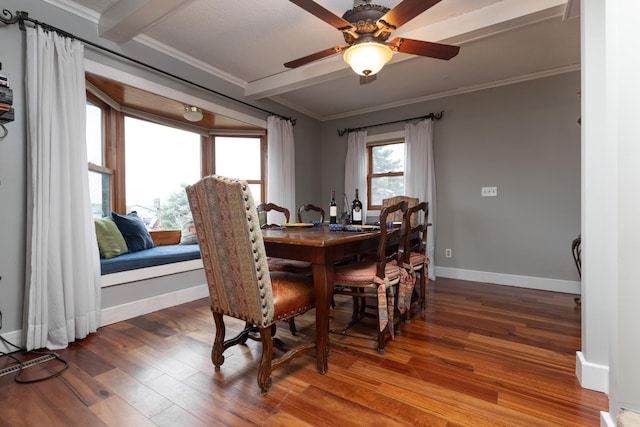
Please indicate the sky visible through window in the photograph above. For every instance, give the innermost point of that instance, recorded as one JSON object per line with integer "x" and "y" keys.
{"x": 159, "y": 159}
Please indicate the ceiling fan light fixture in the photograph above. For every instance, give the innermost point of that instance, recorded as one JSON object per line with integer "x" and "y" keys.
{"x": 193, "y": 114}
{"x": 367, "y": 58}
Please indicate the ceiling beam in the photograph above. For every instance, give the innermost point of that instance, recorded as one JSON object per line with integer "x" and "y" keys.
{"x": 128, "y": 18}
{"x": 493, "y": 19}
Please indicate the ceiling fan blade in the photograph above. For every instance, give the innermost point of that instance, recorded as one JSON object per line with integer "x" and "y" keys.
{"x": 322, "y": 13}
{"x": 422, "y": 48}
{"x": 314, "y": 57}
{"x": 367, "y": 79}
{"x": 407, "y": 10}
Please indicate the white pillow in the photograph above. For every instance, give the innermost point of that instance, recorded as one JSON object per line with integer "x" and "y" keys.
{"x": 188, "y": 233}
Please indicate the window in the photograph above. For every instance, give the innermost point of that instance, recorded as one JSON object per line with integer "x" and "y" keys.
{"x": 143, "y": 166}
{"x": 160, "y": 161}
{"x": 385, "y": 171}
{"x": 99, "y": 175}
{"x": 241, "y": 157}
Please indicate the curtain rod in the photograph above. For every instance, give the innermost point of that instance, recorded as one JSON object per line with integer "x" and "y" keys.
{"x": 22, "y": 16}
{"x": 432, "y": 116}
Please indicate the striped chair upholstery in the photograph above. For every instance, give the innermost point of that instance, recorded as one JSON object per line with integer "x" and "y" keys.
{"x": 238, "y": 277}
{"x": 281, "y": 264}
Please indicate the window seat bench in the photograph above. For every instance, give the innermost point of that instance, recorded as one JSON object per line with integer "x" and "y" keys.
{"x": 158, "y": 255}
{"x": 167, "y": 257}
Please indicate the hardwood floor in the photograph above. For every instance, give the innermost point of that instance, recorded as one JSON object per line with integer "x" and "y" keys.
{"x": 480, "y": 355}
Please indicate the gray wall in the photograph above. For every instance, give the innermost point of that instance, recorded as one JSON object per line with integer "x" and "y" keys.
{"x": 13, "y": 187}
{"x": 523, "y": 138}
{"x": 13, "y": 151}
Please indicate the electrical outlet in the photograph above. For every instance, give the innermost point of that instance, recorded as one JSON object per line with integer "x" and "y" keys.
{"x": 489, "y": 191}
{"x": 447, "y": 253}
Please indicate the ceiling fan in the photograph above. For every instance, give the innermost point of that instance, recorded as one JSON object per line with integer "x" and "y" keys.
{"x": 366, "y": 29}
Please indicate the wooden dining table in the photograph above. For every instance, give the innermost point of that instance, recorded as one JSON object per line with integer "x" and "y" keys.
{"x": 323, "y": 248}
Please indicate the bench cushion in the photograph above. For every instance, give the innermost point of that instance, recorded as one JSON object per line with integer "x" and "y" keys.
{"x": 158, "y": 255}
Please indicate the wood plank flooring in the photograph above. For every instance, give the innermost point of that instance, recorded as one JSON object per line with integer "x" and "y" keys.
{"x": 481, "y": 355}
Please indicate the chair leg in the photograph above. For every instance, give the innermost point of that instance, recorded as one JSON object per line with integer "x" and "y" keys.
{"x": 359, "y": 307}
{"x": 406, "y": 315}
{"x": 381, "y": 335}
{"x": 264, "y": 371}
{"x": 292, "y": 326}
{"x": 424, "y": 278}
{"x": 420, "y": 293}
{"x": 218, "y": 345}
{"x": 355, "y": 314}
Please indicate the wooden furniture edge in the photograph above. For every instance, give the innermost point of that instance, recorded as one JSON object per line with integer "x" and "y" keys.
{"x": 165, "y": 237}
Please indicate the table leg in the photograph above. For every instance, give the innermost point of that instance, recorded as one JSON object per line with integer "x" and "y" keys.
{"x": 323, "y": 284}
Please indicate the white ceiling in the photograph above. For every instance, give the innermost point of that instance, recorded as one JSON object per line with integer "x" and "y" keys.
{"x": 246, "y": 43}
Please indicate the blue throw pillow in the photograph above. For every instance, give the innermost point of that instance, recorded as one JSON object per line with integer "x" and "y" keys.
{"x": 134, "y": 231}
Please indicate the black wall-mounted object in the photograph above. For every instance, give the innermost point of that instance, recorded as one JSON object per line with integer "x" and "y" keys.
{"x": 6, "y": 99}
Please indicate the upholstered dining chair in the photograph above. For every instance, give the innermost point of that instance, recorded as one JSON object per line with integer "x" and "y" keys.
{"x": 240, "y": 283}
{"x": 375, "y": 279}
{"x": 415, "y": 258}
{"x": 282, "y": 264}
{"x": 310, "y": 208}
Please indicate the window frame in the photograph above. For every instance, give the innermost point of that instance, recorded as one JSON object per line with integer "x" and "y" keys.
{"x": 107, "y": 149}
{"x": 377, "y": 141}
{"x": 209, "y": 157}
{"x": 114, "y": 148}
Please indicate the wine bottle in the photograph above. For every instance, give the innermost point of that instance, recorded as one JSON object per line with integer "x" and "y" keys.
{"x": 333, "y": 209}
{"x": 356, "y": 210}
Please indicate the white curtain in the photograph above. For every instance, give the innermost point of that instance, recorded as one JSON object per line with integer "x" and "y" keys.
{"x": 62, "y": 281}
{"x": 355, "y": 169}
{"x": 420, "y": 176}
{"x": 281, "y": 188}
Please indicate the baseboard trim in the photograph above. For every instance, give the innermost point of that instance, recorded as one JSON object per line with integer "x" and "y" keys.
{"x": 138, "y": 308}
{"x": 540, "y": 283}
{"x": 606, "y": 420}
{"x": 592, "y": 375}
{"x": 127, "y": 311}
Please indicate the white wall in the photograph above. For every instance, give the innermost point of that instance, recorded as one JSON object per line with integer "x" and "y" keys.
{"x": 611, "y": 206}
{"x": 622, "y": 131}
{"x": 598, "y": 204}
